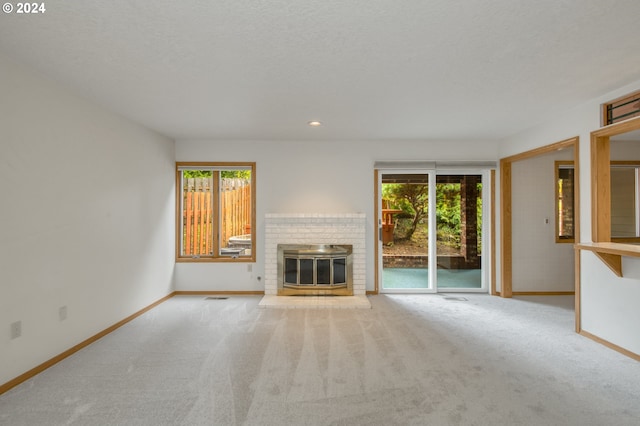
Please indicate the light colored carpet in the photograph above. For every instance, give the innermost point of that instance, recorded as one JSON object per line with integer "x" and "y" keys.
{"x": 315, "y": 302}
{"x": 410, "y": 360}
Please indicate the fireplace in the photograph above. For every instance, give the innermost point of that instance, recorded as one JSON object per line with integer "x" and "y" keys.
{"x": 304, "y": 229}
{"x": 315, "y": 269}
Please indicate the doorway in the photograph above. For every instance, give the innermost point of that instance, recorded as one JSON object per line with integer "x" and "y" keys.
{"x": 550, "y": 259}
{"x": 428, "y": 211}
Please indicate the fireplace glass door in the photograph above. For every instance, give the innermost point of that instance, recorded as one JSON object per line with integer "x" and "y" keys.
{"x": 315, "y": 271}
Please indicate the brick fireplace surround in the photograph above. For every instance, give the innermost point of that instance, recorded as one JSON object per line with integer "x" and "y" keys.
{"x": 316, "y": 228}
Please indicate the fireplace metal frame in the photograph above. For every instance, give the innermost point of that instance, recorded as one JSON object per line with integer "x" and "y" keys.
{"x": 314, "y": 253}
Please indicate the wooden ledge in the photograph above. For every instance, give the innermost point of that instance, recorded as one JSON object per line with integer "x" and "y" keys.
{"x": 611, "y": 253}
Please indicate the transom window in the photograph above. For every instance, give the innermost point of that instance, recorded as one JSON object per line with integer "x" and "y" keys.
{"x": 621, "y": 109}
{"x": 215, "y": 211}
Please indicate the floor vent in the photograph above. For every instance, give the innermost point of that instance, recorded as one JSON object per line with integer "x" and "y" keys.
{"x": 216, "y": 298}
{"x": 456, "y": 299}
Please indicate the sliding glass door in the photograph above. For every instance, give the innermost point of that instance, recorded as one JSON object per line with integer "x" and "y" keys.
{"x": 425, "y": 212}
{"x": 404, "y": 231}
{"x": 459, "y": 231}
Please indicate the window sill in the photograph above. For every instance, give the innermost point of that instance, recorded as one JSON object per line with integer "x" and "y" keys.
{"x": 215, "y": 260}
{"x": 565, "y": 240}
{"x": 611, "y": 253}
{"x": 625, "y": 240}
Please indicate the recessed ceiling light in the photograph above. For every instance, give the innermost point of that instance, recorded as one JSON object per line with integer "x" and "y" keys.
{"x": 314, "y": 123}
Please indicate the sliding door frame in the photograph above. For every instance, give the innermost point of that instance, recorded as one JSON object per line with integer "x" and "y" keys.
{"x": 431, "y": 173}
{"x": 488, "y": 265}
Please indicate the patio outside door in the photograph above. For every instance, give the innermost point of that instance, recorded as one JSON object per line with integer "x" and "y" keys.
{"x": 404, "y": 232}
{"x": 425, "y": 212}
{"x": 459, "y": 232}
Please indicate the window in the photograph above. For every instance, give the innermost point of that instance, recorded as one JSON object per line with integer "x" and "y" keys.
{"x": 215, "y": 205}
{"x": 625, "y": 220}
{"x": 601, "y": 176}
{"x": 625, "y": 201}
{"x": 565, "y": 232}
{"x": 621, "y": 109}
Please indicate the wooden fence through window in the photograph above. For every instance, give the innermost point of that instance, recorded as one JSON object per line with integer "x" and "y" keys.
{"x": 200, "y": 220}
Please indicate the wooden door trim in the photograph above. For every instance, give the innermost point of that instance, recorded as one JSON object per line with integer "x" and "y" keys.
{"x": 506, "y": 236}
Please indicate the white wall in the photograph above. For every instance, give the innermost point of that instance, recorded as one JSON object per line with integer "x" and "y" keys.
{"x": 609, "y": 304}
{"x": 625, "y": 150}
{"x": 86, "y": 218}
{"x": 309, "y": 177}
{"x": 534, "y": 242}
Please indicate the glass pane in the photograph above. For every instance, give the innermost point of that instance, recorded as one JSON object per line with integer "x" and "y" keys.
{"x": 623, "y": 202}
{"x": 622, "y": 109}
{"x": 459, "y": 230}
{"x": 290, "y": 270}
{"x": 340, "y": 270}
{"x": 306, "y": 271}
{"x": 197, "y": 213}
{"x": 235, "y": 212}
{"x": 324, "y": 271}
{"x": 405, "y": 237}
{"x": 565, "y": 191}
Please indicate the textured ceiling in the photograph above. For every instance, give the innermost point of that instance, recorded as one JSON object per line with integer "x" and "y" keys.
{"x": 368, "y": 69}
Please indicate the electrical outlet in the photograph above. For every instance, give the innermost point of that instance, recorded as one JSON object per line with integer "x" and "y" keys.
{"x": 62, "y": 313}
{"x": 16, "y": 329}
{"x": 249, "y": 267}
